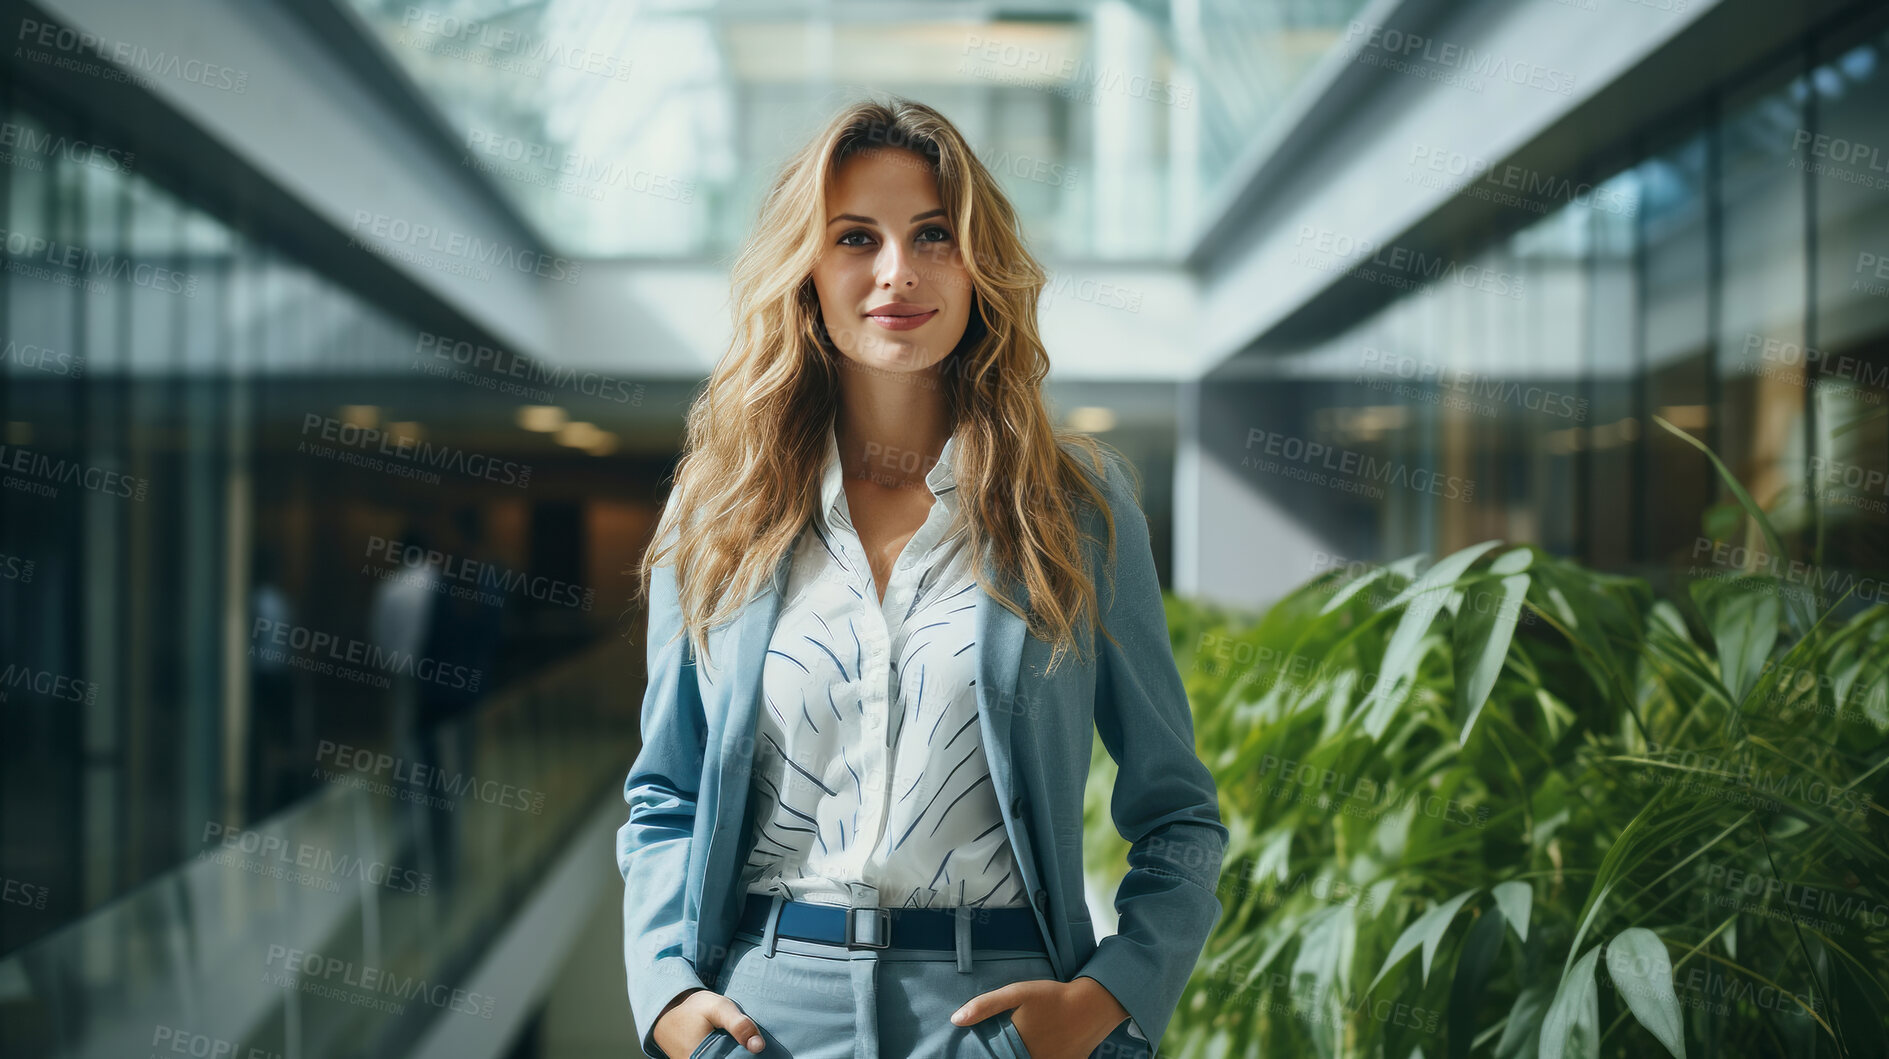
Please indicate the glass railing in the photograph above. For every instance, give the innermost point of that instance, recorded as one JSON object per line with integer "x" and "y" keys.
{"x": 346, "y": 924}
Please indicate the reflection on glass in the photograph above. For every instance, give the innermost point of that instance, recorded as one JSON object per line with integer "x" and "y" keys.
{"x": 1761, "y": 312}
{"x": 1674, "y": 287}
{"x": 1610, "y": 481}
{"x": 647, "y": 130}
{"x": 1849, "y": 465}
{"x": 1675, "y": 264}
{"x": 217, "y": 762}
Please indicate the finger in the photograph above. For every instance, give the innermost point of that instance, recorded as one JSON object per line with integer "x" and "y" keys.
{"x": 984, "y": 1005}
{"x": 739, "y": 1025}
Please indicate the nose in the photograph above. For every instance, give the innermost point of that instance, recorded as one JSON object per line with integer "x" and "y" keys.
{"x": 897, "y": 266}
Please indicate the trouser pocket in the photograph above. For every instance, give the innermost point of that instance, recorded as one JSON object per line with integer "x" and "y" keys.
{"x": 711, "y": 1044}
{"x": 1014, "y": 1038}
{"x": 1001, "y": 1038}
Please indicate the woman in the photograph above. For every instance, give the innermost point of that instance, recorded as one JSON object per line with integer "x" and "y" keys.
{"x": 874, "y": 675}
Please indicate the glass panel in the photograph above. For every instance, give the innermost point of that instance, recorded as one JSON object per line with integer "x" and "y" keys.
{"x": 43, "y": 372}
{"x": 219, "y": 760}
{"x": 1761, "y": 312}
{"x": 1110, "y": 124}
{"x": 1612, "y": 376}
{"x": 1850, "y": 454}
{"x": 1537, "y": 381}
{"x": 1675, "y": 275}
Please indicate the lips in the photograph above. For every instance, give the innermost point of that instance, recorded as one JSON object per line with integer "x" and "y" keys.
{"x": 899, "y": 317}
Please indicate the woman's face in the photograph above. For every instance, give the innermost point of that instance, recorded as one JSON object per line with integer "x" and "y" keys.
{"x": 893, "y": 290}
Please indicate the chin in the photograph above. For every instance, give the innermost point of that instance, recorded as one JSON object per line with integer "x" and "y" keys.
{"x": 897, "y": 355}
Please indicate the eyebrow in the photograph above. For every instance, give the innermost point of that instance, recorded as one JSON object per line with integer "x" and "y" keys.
{"x": 868, "y": 220}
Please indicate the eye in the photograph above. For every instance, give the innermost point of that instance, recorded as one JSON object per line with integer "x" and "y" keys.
{"x": 945, "y": 235}
{"x": 849, "y": 235}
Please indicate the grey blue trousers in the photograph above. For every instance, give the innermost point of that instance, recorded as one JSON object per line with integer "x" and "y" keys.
{"x": 815, "y": 1000}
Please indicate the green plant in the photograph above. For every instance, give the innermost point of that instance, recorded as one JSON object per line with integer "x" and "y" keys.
{"x": 1603, "y": 822}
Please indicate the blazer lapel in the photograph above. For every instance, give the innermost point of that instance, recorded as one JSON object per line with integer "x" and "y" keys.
{"x": 746, "y": 645}
{"x": 749, "y": 638}
{"x": 1000, "y": 636}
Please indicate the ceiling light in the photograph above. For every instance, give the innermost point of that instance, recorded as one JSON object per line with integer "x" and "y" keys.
{"x": 543, "y": 418}
{"x": 579, "y": 435}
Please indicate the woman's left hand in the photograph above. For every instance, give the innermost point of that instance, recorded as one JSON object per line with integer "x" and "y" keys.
{"x": 1057, "y": 1020}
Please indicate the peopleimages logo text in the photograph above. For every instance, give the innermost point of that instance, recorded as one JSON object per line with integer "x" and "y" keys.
{"x": 315, "y": 645}
{"x": 84, "y": 263}
{"x": 465, "y": 247}
{"x": 1357, "y": 465}
{"x": 133, "y": 58}
{"x": 47, "y": 683}
{"x": 485, "y": 358}
{"x": 1471, "y": 61}
{"x": 1401, "y": 266}
{"x": 371, "y": 979}
{"x": 495, "y": 35}
{"x": 476, "y": 575}
{"x": 416, "y": 777}
{"x": 414, "y": 450}
{"x": 49, "y": 472}
{"x": 277, "y": 857}
{"x": 17, "y": 137}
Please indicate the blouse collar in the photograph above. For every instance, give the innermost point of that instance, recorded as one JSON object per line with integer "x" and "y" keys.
{"x": 941, "y": 480}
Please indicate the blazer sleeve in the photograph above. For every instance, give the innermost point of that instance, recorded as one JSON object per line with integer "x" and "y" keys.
{"x": 1164, "y": 800}
{"x": 653, "y": 846}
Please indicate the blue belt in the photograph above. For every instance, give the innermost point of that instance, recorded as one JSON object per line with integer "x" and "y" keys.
{"x": 905, "y": 928}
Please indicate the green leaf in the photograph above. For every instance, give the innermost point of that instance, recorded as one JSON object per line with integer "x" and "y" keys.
{"x": 1482, "y": 633}
{"x": 1572, "y": 1025}
{"x": 1422, "y": 601}
{"x": 1743, "y": 615}
{"x": 1472, "y": 971}
{"x": 1515, "y": 898}
{"x": 1280, "y": 940}
{"x": 1521, "y": 1038}
{"x": 1860, "y": 420}
{"x": 1326, "y": 944}
{"x": 1399, "y": 666}
{"x": 1351, "y": 588}
{"x": 1513, "y": 561}
{"x": 1275, "y": 856}
{"x": 1426, "y": 931}
{"x": 1446, "y": 570}
{"x": 1771, "y": 538}
{"x": 1638, "y": 964}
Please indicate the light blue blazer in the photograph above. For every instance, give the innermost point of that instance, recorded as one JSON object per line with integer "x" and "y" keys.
{"x": 688, "y": 833}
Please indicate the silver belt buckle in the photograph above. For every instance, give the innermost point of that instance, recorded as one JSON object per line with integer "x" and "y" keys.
{"x": 878, "y": 928}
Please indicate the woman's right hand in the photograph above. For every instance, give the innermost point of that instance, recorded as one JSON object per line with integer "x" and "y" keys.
{"x": 687, "y": 1022}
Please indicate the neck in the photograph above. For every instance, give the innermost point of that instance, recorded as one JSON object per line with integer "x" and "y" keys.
{"x": 891, "y": 427}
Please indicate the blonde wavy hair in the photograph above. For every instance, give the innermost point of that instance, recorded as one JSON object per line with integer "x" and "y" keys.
{"x": 755, "y": 447}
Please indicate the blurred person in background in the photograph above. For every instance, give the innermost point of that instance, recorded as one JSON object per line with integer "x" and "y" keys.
{"x": 274, "y": 768}
{"x": 461, "y": 646}
{"x": 399, "y": 615}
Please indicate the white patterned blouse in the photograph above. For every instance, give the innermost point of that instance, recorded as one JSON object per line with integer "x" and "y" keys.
{"x": 870, "y": 783}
